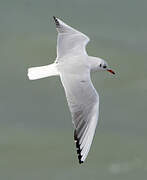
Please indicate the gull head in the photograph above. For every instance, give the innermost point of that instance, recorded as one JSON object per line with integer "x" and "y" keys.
{"x": 103, "y": 65}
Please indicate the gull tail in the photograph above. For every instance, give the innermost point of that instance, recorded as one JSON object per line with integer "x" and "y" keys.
{"x": 42, "y": 72}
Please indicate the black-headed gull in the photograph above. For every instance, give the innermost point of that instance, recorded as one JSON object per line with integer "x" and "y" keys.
{"x": 73, "y": 65}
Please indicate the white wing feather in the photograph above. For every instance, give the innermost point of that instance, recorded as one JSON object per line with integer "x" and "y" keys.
{"x": 83, "y": 102}
{"x": 69, "y": 40}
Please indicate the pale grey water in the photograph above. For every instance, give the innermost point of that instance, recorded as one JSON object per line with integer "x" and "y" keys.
{"x": 36, "y": 135}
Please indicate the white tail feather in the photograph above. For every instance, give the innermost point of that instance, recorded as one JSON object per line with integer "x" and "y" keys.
{"x": 42, "y": 71}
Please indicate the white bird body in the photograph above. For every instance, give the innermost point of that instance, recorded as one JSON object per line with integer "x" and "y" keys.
{"x": 73, "y": 65}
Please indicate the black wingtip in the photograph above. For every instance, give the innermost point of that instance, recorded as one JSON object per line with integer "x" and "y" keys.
{"x": 54, "y": 18}
{"x": 56, "y": 21}
{"x": 80, "y": 162}
{"x": 78, "y": 147}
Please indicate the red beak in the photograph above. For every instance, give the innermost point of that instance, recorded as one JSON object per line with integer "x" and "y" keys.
{"x": 111, "y": 71}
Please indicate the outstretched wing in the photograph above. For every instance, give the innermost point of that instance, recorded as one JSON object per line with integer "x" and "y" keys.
{"x": 69, "y": 40}
{"x": 83, "y": 102}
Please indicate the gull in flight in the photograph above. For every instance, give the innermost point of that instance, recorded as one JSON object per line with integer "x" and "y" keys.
{"x": 74, "y": 66}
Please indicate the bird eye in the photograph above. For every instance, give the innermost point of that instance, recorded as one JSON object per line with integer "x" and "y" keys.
{"x": 104, "y": 66}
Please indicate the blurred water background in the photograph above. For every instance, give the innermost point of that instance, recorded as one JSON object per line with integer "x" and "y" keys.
{"x": 36, "y": 133}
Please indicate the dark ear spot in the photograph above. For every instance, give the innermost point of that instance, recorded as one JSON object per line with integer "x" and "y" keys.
{"x": 100, "y": 65}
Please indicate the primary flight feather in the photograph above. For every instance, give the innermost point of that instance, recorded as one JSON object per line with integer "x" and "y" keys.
{"x": 74, "y": 66}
